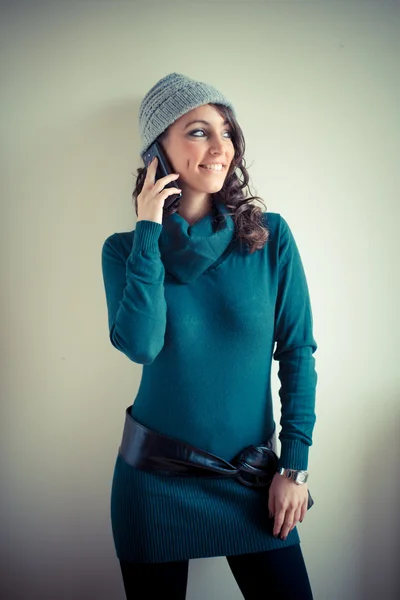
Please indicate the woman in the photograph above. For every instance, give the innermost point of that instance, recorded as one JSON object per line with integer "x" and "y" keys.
{"x": 198, "y": 294}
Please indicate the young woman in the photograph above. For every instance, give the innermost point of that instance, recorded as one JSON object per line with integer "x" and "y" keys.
{"x": 204, "y": 294}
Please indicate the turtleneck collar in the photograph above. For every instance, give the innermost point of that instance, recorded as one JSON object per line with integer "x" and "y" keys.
{"x": 189, "y": 250}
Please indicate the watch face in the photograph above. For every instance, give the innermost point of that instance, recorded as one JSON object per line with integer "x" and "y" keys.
{"x": 301, "y": 477}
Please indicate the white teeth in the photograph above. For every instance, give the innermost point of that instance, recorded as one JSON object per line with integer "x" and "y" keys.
{"x": 213, "y": 167}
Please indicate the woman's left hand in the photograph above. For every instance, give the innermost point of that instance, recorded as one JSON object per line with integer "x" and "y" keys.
{"x": 287, "y": 502}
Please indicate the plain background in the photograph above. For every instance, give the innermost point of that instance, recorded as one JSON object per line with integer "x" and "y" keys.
{"x": 316, "y": 86}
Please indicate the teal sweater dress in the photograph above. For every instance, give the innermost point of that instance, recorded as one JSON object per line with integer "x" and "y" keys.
{"x": 205, "y": 318}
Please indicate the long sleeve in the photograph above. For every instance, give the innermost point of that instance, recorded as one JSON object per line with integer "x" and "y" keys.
{"x": 295, "y": 346}
{"x": 134, "y": 288}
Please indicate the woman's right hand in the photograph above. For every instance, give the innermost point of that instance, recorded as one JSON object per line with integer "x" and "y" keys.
{"x": 153, "y": 195}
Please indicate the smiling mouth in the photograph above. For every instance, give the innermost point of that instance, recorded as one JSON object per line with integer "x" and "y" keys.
{"x": 213, "y": 170}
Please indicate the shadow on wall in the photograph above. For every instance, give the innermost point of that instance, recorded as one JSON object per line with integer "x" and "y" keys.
{"x": 379, "y": 504}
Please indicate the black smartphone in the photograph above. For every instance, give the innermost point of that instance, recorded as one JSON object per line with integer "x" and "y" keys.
{"x": 163, "y": 168}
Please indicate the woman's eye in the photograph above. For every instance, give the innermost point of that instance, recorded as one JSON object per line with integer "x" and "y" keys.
{"x": 202, "y": 130}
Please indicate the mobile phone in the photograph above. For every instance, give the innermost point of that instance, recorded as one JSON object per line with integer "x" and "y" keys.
{"x": 163, "y": 168}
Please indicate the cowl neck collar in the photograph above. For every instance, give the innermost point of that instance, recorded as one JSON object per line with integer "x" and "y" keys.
{"x": 189, "y": 250}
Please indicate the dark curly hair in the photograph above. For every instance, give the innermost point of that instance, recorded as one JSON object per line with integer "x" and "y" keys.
{"x": 250, "y": 227}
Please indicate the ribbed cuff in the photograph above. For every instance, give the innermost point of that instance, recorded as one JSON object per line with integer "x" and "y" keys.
{"x": 294, "y": 455}
{"x": 146, "y": 236}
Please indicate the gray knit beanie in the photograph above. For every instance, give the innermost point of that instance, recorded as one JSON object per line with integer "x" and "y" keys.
{"x": 170, "y": 98}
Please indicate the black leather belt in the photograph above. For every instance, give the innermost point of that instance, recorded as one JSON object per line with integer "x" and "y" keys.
{"x": 143, "y": 448}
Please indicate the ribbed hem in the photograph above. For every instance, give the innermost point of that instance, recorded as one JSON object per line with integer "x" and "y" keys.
{"x": 146, "y": 236}
{"x": 159, "y": 518}
{"x": 294, "y": 455}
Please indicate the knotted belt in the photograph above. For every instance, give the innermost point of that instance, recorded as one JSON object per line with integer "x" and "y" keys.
{"x": 143, "y": 448}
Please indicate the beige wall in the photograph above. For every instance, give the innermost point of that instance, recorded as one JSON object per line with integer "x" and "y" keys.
{"x": 316, "y": 89}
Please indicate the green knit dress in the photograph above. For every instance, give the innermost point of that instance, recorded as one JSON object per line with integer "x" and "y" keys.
{"x": 205, "y": 318}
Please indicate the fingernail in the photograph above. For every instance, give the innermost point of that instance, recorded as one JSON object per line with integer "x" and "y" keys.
{"x": 284, "y": 538}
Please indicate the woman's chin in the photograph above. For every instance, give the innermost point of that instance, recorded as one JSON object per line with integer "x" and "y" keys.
{"x": 202, "y": 187}
{"x": 210, "y": 188}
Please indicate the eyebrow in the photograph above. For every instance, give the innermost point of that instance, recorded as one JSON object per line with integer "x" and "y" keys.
{"x": 226, "y": 122}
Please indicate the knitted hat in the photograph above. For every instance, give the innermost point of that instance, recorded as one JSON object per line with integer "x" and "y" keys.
{"x": 170, "y": 98}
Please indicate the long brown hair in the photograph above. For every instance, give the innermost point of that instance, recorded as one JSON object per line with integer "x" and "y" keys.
{"x": 250, "y": 226}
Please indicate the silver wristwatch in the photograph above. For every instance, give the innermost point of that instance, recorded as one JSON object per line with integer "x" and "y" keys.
{"x": 298, "y": 476}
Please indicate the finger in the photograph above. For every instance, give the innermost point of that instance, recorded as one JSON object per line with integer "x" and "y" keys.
{"x": 303, "y": 511}
{"x": 288, "y": 522}
{"x": 151, "y": 164}
{"x": 296, "y": 518}
{"x": 279, "y": 520}
{"x": 150, "y": 173}
{"x": 168, "y": 191}
{"x": 160, "y": 185}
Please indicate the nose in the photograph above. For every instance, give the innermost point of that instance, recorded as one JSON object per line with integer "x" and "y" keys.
{"x": 216, "y": 148}
{"x": 216, "y": 144}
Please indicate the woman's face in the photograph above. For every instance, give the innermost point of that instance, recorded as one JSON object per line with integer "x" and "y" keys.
{"x": 190, "y": 144}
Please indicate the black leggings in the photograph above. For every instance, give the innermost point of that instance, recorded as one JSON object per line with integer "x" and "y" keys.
{"x": 272, "y": 575}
